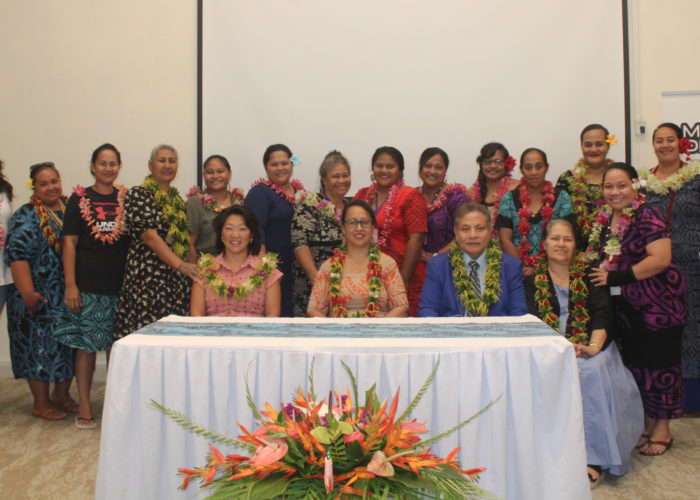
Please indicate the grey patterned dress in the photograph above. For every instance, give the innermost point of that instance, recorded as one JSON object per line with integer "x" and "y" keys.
{"x": 321, "y": 233}
{"x": 682, "y": 208}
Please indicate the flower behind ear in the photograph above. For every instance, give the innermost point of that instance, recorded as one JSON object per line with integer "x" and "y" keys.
{"x": 610, "y": 139}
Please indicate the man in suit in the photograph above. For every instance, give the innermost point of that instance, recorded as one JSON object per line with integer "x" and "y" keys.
{"x": 439, "y": 296}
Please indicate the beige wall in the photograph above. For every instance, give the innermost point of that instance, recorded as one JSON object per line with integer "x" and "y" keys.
{"x": 78, "y": 73}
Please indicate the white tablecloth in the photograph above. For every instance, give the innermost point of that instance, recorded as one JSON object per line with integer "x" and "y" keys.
{"x": 531, "y": 440}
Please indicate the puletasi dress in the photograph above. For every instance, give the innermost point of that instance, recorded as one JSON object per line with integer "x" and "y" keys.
{"x": 151, "y": 288}
{"x": 441, "y": 220}
{"x": 649, "y": 316}
{"x": 682, "y": 209}
{"x": 592, "y": 195}
{"x": 34, "y": 353}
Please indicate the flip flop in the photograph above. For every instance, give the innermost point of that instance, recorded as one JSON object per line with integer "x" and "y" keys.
{"x": 67, "y": 404}
{"x": 595, "y": 481}
{"x": 647, "y": 452}
{"x": 49, "y": 413}
{"x": 85, "y": 423}
{"x": 645, "y": 435}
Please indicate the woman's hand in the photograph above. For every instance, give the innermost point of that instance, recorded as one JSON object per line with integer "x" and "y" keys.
{"x": 188, "y": 269}
{"x": 425, "y": 256}
{"x": 528, "y": 270}
{"x": 586, "y": 351}
{"x": 599, "y": 276}
{"x": 31, "y": 301}
{"x": 73, "y": 298}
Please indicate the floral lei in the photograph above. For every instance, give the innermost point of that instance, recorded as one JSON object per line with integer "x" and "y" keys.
{"x": 209, "y": 202}
{"x": 474, "y": 305}
{"x": 502, "y": 190}
{"x": 174, "y": 214}
{"x": 371, "y": 196}
{"x": 674, "y": 182}
{"x": 374, "y": 270}
{"x": 442, "y": 195}
{"x": 326, "y": 207}
{"x": 613, "y": 248}
{"x": 268, "y": 263}
{"x": 86, "y": 214}
{"x": 45, "y": 216}
{"x": 578, "y": 297}
{"x": 291, "y": 198}
{"x": 577, "y": 190}
{"x": 525, "y": 213}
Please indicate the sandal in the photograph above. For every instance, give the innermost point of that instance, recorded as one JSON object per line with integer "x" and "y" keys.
{"x": 645, "y": 435}
{"x": 594, "y": 481}
{"x": 66, "y": 404}
{"x": 49, "y": 413}
{"x": 646, "y": 451}
{"x": 85, "y": 423}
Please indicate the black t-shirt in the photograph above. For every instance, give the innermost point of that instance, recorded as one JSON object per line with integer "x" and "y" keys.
{"x": 99, "y": 267}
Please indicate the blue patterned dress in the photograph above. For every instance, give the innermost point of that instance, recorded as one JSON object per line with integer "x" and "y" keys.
{"x": 34, "y": 353}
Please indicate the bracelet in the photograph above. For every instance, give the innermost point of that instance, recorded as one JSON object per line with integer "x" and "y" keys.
{"x": 435, "y": 254}
{"x": 593, "y": 344}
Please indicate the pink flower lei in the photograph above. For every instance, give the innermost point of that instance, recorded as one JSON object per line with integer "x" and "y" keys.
{"x": 370, "y": 196}
{"x": 86, "y": 215}
{"x": 613, "y": 247}
{"x": 442, "y": 196}
{"x": 525, "y": 213}
{"x": 209, "y": 202}
{"x": 297, "y": 185}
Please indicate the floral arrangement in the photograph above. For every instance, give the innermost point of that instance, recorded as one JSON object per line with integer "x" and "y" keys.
{"x": 578, "y": 187}
{"x": 209, "y": 202}
{"x": 613, "y": 248}
{"x": 374, "y": 270}
{"x": 297, "y": 185}
{"x": 473, "y": 304}
{"x": 320, "y": 450}
{"x": 268, "y": 263}
{"x": 370, "y": 196}
{"x": 525, "y": 213}
{"x": 86, "y": 214}
{"x": 46, "y": 215}
{"x": 174, "y": 214}
{"x": 326, "y": 207}
{"x": 579, "y": 296}
{"x": 673, "y": 182}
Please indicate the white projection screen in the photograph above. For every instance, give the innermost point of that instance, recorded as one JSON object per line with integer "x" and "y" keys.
{"x": 354, "y": 75}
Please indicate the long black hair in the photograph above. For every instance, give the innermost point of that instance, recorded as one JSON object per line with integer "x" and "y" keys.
{"x": 5, "y": 186}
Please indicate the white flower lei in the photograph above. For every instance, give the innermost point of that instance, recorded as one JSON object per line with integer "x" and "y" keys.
{"x": 673, "y": 182}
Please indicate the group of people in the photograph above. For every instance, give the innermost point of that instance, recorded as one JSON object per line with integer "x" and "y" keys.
{"x": 589, "y": 255}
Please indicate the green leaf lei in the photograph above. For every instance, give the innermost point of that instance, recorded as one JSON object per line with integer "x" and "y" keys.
{"x": 174, "y": 214}
{"x": 268, "y": 263}
{"x": 374, "y": 270}
{"x": 474, "y": 305}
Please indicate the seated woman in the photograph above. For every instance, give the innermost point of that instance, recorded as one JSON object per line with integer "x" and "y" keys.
{"x": 359, "y": 280}
{"x": 491, "y": 284}
{"x": 238, "y": 281}
{"x": 560, "y": 292}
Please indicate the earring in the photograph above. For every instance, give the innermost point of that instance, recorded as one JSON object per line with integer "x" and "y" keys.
{"x": 371, "y": 177}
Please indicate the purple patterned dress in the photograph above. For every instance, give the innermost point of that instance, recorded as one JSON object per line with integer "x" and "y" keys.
{"x": 650, "y": 315}
{"x": 441, "y": 216}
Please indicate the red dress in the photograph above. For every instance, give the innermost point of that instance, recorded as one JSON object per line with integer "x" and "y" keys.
{"x": 410, "y": 215}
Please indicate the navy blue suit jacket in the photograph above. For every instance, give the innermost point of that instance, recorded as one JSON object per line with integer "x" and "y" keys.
{"x": 439, "y": 297}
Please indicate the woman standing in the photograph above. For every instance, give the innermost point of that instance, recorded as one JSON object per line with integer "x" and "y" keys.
{"x": 584, "y": 182}
{"x": 33, "y": 252}
{"x": 674, "y": 187}
{"x": 5, "y": 213}
{"x": 273, "y": 202}
{"x": 316, "y": 226}
{"x": 94, "y": 255}
{"x": 157, "y": 275}
{"x": 402, "y": 219}
{"x": 525, "y": 212}
{"x": 494, "y": 179}
{"x": 442, "y": 200}
{"x": 238, "y": 281}
{"x": 358, "y": 280}
{"x": 631, "y": 242}
{"x": 202, "y": 207}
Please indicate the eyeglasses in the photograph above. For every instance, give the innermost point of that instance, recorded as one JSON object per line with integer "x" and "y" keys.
{"x": 353, "y": 223}
{"x": 493, "y": 161}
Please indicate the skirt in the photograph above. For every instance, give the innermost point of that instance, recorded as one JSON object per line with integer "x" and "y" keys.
{"x": 92, "y": 328}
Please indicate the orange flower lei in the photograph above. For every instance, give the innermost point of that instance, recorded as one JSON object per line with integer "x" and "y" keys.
{"x": 86, "y": 214}
{"x": 45, "y": 216}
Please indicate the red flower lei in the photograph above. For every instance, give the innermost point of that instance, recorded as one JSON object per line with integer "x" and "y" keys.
{"x": 298, "y": 186}
{"x": 502, "y": 190}
{"x": 45, "y": 225}
{"x": 370, "y": 196}
{"x": 525, "y": 213}
{"x": 86, "y": 214}
{"x": 442, "y": 195}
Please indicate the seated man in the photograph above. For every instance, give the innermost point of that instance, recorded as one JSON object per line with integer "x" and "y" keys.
{"x": 474, "y": 278}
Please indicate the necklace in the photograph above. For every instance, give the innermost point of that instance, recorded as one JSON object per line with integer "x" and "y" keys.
{"x": 578, "y": 297}
{"x": 215, "y": 282}
{"x": 673, "y": 182}
{"x": 371, "y": 196}
{"x": 613, "y": 248}
{"x": 502, "y": 189}
{"x": 441, "y": 196}
{"x": 298, "y": 186}
{"x": 578, "y": 187}
{"x": 323, "y": 205}
{"x": 492, "y": 290}
{"x": 86, "y": 214}
{"x": 46, "y": 216}
{"x": 374, "y": 270}
{"x": 173, "y": 214}
{"x": 525, "y": 213}
{"x": 209, "y": 202}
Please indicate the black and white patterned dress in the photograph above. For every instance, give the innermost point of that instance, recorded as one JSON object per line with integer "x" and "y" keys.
{"x": 151, "y": 288}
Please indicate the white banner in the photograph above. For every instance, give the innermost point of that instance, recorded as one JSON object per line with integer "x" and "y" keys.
{"x": 683, "y": 109}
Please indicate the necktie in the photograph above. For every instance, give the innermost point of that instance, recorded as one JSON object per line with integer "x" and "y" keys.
{"x": 474, "y": 278}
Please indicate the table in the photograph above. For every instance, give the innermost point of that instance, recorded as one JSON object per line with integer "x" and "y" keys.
{"x": 531, "y": 440}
